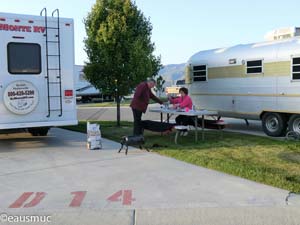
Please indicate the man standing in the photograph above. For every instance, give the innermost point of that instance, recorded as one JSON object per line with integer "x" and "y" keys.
{"x": 140, "y": 103}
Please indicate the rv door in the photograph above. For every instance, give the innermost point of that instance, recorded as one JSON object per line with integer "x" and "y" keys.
{"x": 23, "y": 84}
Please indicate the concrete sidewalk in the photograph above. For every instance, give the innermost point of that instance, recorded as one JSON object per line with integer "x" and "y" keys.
{"x": 61, "y": 178}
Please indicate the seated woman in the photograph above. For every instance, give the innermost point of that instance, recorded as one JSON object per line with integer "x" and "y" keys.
{"x": 183, "y": 101}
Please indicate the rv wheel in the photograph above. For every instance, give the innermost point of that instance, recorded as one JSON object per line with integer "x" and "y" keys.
{"x": 294, "y": 123}
{"x": 33, "y": 131}
{"x": 274, "y": 124}
{"x": 43, "y": 131}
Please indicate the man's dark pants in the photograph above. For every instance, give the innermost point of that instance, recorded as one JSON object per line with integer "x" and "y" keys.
{"x": 184, "y": 120}
{"x": 137, "y": 124}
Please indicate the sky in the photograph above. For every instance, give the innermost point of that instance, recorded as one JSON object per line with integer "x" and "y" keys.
{"x": 182, "y": 27}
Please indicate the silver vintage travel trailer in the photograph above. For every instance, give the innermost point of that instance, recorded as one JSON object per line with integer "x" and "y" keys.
{"x": 37, "y": 62}
{"x": 259, "y": 81}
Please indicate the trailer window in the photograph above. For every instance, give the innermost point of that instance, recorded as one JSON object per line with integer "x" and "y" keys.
{"x": 254, "y": 66}
{"x": 296, "y": 68}
{"x": 200, "y": 73}
{"x": 24, "y": 58}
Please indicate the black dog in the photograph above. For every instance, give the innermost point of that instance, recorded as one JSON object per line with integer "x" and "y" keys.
{"x": 132, "y": 140}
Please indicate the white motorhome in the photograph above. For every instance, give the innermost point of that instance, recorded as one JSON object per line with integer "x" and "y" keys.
{"x": 36, "y": 75}
{"x": 85, "y": 91}
{"x": 259, "y": 81}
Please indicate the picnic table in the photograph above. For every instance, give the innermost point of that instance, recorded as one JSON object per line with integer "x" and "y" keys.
{"x": 194, "y": 114}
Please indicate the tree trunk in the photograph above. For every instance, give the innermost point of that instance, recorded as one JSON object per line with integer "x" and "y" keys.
{"x": 118, "y": 110}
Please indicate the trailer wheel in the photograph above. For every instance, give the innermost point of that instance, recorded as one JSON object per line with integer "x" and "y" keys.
{"x": 274, "y": 124}
{"x": 85, "y": 99}
{"x": 294, "y": 123}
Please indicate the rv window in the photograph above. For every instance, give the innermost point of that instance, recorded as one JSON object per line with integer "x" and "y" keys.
{"x": 254, "y": 66}
{"x": 200, "y": 67}
{"x": 296, "y": 68}
{"x": 24, "y": 58}
{"x": 199, "y": 73}
{"x": 296, "y": 61}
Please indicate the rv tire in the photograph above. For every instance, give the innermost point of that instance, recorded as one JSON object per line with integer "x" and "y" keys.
{"x": 43, "y": 131}
{"x": 39, "y": 131}
{"x": 294, "y": 123}
{"x": 33, "y": 131}
{"x": 274, "y": 124}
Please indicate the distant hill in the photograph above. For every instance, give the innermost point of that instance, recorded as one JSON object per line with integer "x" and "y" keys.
{"x": 172, "y": 72}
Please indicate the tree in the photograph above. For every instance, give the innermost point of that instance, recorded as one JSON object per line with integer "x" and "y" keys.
{"x": 119, "y": 48}
{"x": 159, "y": 85}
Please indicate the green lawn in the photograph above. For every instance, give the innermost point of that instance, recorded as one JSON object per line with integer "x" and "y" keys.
{"x": 265, "y": 160}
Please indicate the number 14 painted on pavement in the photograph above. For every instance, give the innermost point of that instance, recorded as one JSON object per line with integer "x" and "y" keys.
{"x": 78, "y": 196}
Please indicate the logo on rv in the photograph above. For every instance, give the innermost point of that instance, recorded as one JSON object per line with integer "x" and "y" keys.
{"x": 21, "y": 97}
{"x": 21, "y": 28}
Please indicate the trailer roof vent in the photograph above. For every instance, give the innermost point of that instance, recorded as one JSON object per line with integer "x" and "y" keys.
{"x": 282, "y": 33}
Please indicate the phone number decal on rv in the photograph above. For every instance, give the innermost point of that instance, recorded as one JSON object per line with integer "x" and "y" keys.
{"x": 20, "y": 93}
{"x": 21, "y": 97}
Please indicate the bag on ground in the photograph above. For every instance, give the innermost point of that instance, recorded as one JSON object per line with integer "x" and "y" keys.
{"x": 93, "y": 136}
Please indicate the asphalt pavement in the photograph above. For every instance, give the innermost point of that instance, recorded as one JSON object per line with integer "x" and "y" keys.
{"x": 57, "y": 178}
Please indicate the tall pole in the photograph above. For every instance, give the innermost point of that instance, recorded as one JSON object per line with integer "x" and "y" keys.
{"x": 118, "y": 103}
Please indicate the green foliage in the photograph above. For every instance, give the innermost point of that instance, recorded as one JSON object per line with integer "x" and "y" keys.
{"x": 119, "y": 47}
{"x": 159, "y": 85}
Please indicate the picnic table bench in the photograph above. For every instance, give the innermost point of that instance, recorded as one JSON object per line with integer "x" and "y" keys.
{"x": 192, "y": 113}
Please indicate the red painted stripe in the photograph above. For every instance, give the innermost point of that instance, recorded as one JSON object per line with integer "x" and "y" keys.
{"x": 78, "y": 198}
{"x": 115, "y": 197}
{"x": 20, "y": 201}
{"x": 37, "y": 199}
{"x": 127, "y": 197}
